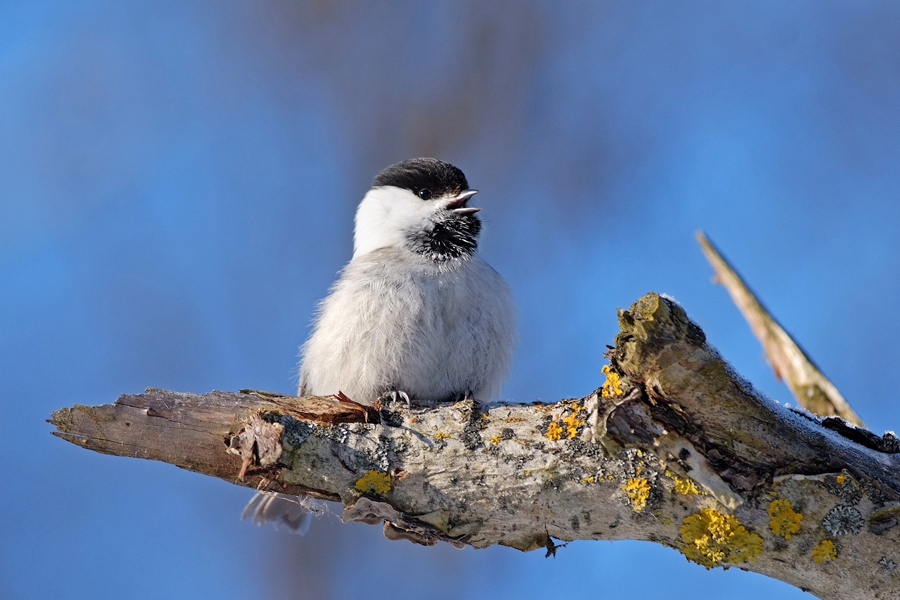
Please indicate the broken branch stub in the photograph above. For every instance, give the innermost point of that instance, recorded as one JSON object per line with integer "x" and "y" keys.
{"x": 746, "y": 437}
{"x": 809, "y": 385}
{"x": 675, "y": 448}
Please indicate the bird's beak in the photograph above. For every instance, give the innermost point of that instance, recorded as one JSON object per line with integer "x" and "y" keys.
{"x": 458, "y": 204}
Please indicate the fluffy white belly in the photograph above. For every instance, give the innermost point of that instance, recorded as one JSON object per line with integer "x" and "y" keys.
{"x": 432, "y": 332}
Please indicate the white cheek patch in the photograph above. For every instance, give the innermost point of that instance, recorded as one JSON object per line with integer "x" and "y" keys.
{"x": 385, "y": 215}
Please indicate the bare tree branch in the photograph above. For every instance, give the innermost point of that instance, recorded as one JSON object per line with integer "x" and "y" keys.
{"x": 675, "y": 448}
{"x": 808, "y": 384}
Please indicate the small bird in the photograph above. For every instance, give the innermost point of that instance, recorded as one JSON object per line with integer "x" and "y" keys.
{"x": 415, "y": 314}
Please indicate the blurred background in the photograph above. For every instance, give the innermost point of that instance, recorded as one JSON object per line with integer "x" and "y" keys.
{"x": 177, "y": 187}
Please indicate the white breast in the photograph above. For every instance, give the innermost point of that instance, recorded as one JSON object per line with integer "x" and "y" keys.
{"x": 396, "y": 321}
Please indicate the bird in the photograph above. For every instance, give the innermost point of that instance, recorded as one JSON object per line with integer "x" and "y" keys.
{"x": 416, "y": 314}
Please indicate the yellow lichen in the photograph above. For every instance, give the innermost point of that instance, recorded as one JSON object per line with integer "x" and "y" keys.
{"x": 841, "y": 478}
{"x": 374, "y": 481}
{"x": 440, "y": 435}
{"x": 686, "y": 486}
{"x": 782, "y": 519}
{"x": 587, "y": 479}
{"x": 638, "y": 491}
{"x": 712, "y": 539}
{"x": 495, "y": 439}
{"x": 572, "y": 423}
{"x": 578, "y": 407}
{"x": 824, "y": 551}
{"x": 613, "y": 385}
{"x": 554, "y": 431}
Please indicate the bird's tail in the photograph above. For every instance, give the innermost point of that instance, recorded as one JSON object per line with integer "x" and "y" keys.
{"x": 292, "y": 512}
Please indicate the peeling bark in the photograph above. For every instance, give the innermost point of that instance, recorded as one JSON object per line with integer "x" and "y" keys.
{"x": 675, "y": 448}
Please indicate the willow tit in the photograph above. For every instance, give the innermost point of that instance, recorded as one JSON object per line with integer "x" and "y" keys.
{"x": 416, "y": 313}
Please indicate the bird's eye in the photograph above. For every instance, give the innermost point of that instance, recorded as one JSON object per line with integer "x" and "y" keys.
{"x": 425, "y": 194}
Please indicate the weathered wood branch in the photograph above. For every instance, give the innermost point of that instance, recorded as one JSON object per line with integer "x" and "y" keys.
{"x": 810, "y": 387}
{"x": 675, "y": 448}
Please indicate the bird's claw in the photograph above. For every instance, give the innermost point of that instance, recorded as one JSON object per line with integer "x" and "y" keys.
{"x": 463, "y": 397}
{"x": 398, "y": 395}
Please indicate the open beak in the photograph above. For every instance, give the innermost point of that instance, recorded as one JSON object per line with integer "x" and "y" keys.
{"x": 458, "y": 204}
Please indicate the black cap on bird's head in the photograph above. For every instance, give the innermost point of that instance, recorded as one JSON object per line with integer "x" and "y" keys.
{"x": 427, "y": 178}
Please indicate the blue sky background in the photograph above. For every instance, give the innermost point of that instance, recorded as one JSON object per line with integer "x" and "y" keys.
{"x": 177, "y": 187}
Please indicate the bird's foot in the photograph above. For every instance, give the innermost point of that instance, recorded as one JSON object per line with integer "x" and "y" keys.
{"x": 396, "y": 395}
{"x": 463, "y": 396}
